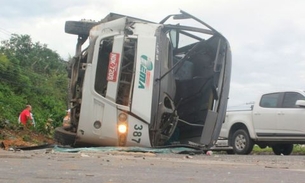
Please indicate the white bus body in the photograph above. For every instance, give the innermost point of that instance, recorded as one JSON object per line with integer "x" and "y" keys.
{"x": 141, "y": 83}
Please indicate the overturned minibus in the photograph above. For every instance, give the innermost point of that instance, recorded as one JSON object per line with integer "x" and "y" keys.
{"x": 141, "y": 83}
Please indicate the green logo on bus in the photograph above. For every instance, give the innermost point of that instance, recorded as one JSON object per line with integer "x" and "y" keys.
{"x": 146, "y": 66}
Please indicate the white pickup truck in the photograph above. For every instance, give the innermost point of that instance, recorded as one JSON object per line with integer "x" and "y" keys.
{"x": 276, "y": 120}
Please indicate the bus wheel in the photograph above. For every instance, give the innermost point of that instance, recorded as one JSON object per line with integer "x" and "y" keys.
{"x": 64, "y": 137}
{"x": 79, "y": 27}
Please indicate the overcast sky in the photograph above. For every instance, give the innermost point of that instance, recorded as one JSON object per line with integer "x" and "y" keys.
{"x": 267, "y": 38}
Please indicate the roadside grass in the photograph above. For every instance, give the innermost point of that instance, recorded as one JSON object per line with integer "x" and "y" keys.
{"x": 297, "y": 150}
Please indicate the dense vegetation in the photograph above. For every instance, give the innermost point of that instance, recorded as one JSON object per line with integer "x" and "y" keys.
{"x": 31, "y": 73}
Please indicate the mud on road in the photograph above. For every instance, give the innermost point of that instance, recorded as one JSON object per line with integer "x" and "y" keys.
{"x": 48, "y": 165}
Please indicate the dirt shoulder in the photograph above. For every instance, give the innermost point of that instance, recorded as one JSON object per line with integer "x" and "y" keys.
{"x": 22, "y": 138}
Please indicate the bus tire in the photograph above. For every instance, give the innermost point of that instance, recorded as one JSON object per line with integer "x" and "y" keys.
{"x": 64, "y": 137}
{"x": 79, "y": 27}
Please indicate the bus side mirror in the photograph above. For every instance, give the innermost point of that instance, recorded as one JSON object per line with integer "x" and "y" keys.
{"x": 174, "y": 36}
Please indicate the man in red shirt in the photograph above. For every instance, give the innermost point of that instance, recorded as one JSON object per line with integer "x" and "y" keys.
{"x": 25, "y": 116}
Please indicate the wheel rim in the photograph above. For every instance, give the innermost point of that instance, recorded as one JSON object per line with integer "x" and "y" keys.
{"x": 240, "y": 142}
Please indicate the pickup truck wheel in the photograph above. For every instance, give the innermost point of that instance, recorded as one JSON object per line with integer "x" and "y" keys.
{"x": 64, "y": 137}
{"x": 241, "y": 142}
{"x": 285, "y": 149}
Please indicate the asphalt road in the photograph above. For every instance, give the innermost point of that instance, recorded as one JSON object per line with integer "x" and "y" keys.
{"x": 118, "y": 167}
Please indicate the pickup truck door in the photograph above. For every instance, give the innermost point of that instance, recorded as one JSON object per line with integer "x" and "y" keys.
{"x": 265, "y": 115}
{"x": 291, "y": 117}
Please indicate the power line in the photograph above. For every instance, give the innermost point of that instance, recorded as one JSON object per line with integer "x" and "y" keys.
{"x": 2, "y": 38}
{"x": 4, "y": 35}
{"x": 5, "y": 31}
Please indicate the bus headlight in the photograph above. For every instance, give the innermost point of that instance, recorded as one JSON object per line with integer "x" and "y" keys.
{"x": 122, "y": 123}
{"x": 122, "y": 128}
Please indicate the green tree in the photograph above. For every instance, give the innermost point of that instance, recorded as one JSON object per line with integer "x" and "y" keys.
{"x": 31, "y": 73}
